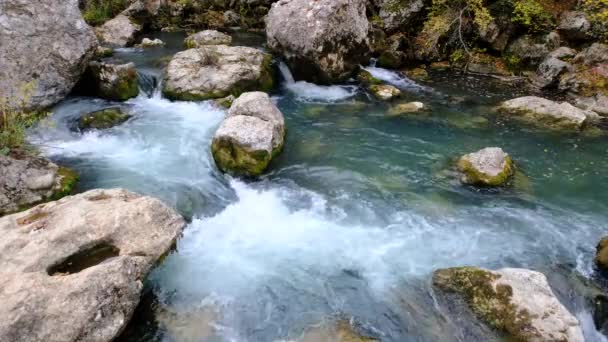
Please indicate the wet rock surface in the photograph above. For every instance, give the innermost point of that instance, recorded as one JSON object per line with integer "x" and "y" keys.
{"x": 102, "y": 119}
{"x": 518, "y": 302}
{"x": 547, "y": 113}
{"x": 207, "y": 37}
{"x": 72, "y": 270}
{"x": 251, "y": 135}
{"x": 112, "y": 81}
{"x": 322, "y": 41}
{"x": 29, "y": 179}
{"x": 490, "y": 166}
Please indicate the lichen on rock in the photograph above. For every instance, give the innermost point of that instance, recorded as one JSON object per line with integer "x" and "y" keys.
{"x": 102, "y": 119}
{"x": 489, "y": 167}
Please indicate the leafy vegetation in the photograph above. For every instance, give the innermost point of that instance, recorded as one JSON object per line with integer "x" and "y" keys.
{"x": 597, "y": 10}
{"x": 532, "y": 15}
{"x": 97, "y": 12}
{"x": 14, "y": 121}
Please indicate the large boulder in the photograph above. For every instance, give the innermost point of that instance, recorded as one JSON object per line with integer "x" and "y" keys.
{"x": 518, "y": 302}
{"x": 531, "y": 50}
{"x": 207, "y": 37}
{"x": 217, "y": 71}
{"x": 547, "y": 113}
{"x": 396, "y": 14}
{"x": 73, "y": 270}
{"x": 118, "y": 32}
{"x": 28, "y": 180}
{"x": 574, "y": 25}
{"x": 552, "y": 68}
{"x": 251, "y": 135}
{"x": 44, "y": 45}
{"x": 111, "y": 81}
{"x": 490, "y": 166}
{"x": 322, "y": 41}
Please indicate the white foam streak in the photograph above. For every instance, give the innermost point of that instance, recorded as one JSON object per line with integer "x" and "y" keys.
{"x": 395, "y": 78}
{"x": 310, "y": 92}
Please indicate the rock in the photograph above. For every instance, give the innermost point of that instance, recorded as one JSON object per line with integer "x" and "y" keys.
{"x": 546, "y": 113}
{"x": 118, "y": 32}
{"x": 597, "y": 104}
{"x": 251, "y": 135}
{"x": 498, "y": 33}
{"x": 574, "y": 25}
{"x": 396, "y": 14}
{"x": 103, "y": 52}
{"x": 323, "y": 41}
{"x": 518, "y": 302}
{"x": 601, "y": 256}
{"x": 532, "y": 50}
{"x": 549, "y": 72}
{"x": 484, "y": 64}
{"x": 46, "y": 46}
{"x": 385, "y": 92}
{"x": 341, "y": 331}
{"x": 418, "y": 74}
{"x": 114, "y": 81}
{"x": 490, "y": 167}
{"x": 393, "y": 57}
{"x": 147, "y": 42}
{"x": 595, "y": 54}
{"x": 405, "y": 108}
{"x": 366, "y": 78}
{"x": 28, "y": 180}
{"x": 207, "y": 37}
{"x": 216, "y": 71}
{"x": 231, "y": 18}
{"x": 563, "y": 53}
{"x": 102, "y": 119}
{"x": 73, "y": 270}
{"x": 225, "y": 102}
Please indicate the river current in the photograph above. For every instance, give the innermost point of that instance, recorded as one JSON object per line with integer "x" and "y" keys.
{"x": 354, "y": 215}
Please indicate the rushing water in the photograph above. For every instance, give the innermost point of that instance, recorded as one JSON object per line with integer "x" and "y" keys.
{"x": 355, "y": 214}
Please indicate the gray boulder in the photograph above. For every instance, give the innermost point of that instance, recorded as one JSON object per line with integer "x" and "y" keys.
{"x": 547, "y": 113}
{"x": 44, "y": 45}
{"x": 251, "y": 135}
{"x": 216, "y": 71}
{"x": 102, "y": 119}
{"x": 322, "y": 41}
{"x": 28, "y": 180}
{"x": 595, "y": 54}
{"x": 597, "y": 104}
{"x": 574, "y": 25}
{"x": 549, "y": 72}
{"x": 396, "y": 14}
{"x": 117, "y": 82}
{"x": 118, "y": 32}
{"x": 517, "y": 302}
{"x": 73, "y": 270}
{"x": 207, "y": 37}
{"x": 532, "y": 50}
{"x": 490, "y": 167}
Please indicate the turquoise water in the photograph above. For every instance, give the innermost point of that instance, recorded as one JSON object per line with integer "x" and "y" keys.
{"x": 353, "y": 216}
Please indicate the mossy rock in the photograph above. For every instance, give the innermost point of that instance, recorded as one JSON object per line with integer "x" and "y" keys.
{"x": 390, "y": 60}
{"x": 366, "y": 78}
{"x": 232, "y": 158}
{"x": 67, "y": 183}
{"x": 491, "y": 304}
{"x": 102, "y": 119}
{"x": 490, "y": 167}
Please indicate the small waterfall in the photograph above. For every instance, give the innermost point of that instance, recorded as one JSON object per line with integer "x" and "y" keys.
{"x": 149, "y": 84}
{"x": 286, "y": 73}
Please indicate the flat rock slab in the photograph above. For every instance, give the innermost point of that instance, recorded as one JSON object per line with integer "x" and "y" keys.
{"x": 72, "y": 270}
{"x": 547, "y": 113}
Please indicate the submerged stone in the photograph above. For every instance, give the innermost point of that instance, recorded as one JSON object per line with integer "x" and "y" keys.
{"x": 406, "y": 108}
{"x": 341, "y": 331}
{"x": 73, "y": 270}
{"x": 252, "y": 134}
{"x": 490, "y": 167}
{"x": 385, "y": 92}
{"x": 102, "y": 119}
{"x": 216, "y": 71}
{"x": 147, "y": 43}
{"x": 518, "y": 302}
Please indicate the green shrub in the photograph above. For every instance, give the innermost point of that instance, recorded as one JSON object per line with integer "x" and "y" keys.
{"x": 14, "y": 121}
{"x": 532, "y": 15}
{"x": 597, "y": 10}
{"x": 97, "y": 12}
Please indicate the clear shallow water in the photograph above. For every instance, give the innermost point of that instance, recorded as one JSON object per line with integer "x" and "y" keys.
{"x": 355, "y": 215}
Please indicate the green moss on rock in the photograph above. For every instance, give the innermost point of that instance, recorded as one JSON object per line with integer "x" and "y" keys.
{"x": 232, "y": 158}
{"x": 475, "y": 177}
{"x": 489, "y": 302}
{"x": 366, "y": 78}
{"x": 67, "y": 183}
{"x": 601, "y": 256}
{"x": 102, "y": 119}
